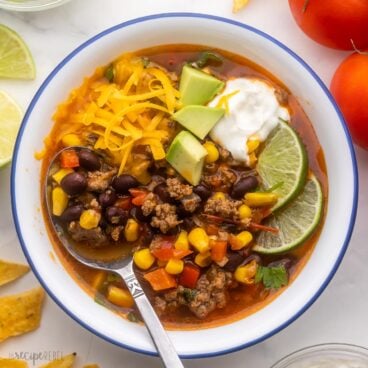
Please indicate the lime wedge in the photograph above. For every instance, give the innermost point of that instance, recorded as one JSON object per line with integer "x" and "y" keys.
{"x": 283, "y": 164}
{"x": 16, "y": 61}
{"x": 296, "y": 222}
{"x": 10, "y": 119}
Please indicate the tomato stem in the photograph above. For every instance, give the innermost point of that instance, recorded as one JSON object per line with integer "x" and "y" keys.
{"x": 305, "y": 6}
{"x": 357, "y": 50}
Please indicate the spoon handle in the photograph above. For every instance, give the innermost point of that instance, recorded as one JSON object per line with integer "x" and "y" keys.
{"x": 159, "y": 336}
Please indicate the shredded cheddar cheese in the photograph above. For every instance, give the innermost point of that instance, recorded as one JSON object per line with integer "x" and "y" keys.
{"x": 134, "y": 109}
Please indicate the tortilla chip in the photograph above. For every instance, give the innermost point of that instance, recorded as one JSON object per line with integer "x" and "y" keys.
{"x": 239, "y": 4}
{"x": 91, "y": 366}
{"x": 20, "y": 313}
{"x": 65, "y": 362}
{"x": 11, "y": 271}
{"x": 13, "y": 363}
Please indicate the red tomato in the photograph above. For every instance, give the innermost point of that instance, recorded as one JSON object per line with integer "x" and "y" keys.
{"x": 349, "y": 86}
{"x": 333, "y": 23}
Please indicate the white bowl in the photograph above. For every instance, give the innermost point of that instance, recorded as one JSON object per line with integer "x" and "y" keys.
{"x": 224, "y": 34}
{"x": 30, "y": 5}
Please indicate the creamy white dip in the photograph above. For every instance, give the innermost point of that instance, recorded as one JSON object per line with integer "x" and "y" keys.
{"x": 252, "y": 111}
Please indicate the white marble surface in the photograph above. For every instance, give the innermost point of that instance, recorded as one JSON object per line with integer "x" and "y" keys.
{"x": 339, "y": 315}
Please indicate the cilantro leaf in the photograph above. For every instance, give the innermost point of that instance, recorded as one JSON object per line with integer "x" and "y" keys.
{"x": 272, "y": 277}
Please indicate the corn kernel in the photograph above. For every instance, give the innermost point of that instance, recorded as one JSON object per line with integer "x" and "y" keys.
{"x": 143, "y": 259}
{"x": 245, "y": 212}
{"x": 219, "y": 195}
{"x": 203, "y": 259}
{"x": 212, "y": 152}
{"x": 59, "y": 201}
{"x": 71, "y": 140}
{"x": 244, "y": 238}
{"x": 259, "y": 199}
{"x": 131, "y": 230}
{"x": 98, "y": 280}
{"x": 89, "y": 219}
{"x": 252, "y": 160}
{"x": 182, "y": 242}
{"x": 246, "y": 274}
{"x": 60, "y": 175}
{"x": 252, "y": 145}
{"x": 174, "y": 266}
{"x": 120, "y": 297}
{"x": 199, "y": 239}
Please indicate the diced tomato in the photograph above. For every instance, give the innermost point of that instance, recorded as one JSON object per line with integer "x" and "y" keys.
{"x": 164, "y": 250}
{"x": 124, "y": 203}
{"x": 218, "y": 250}
{"x": 69, "y": 159}
{"x": 160, "y": 280}
{"x": 139, "y": 195}
{"x": 180, "y": 253}
{"x": 212, "y": 229}
{"x": 189, "y": 276}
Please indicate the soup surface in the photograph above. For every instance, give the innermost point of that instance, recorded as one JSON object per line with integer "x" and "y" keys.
{"x": 191, "y": 166}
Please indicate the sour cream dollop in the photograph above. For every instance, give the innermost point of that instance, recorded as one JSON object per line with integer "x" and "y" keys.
{"x": 253, "y": 111}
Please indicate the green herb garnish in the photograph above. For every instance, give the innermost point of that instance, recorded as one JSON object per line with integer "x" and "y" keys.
{"x": 189, "y": 294}
{"x": 206, "y": 57}
{"x": 132, "y": 317}
{"x": 272, "y": 277}
{"x": 109, "y": 73}
{"x": 113, "y": 277}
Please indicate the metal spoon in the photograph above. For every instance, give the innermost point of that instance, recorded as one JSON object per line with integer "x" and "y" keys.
{"x": 124, "y": 268}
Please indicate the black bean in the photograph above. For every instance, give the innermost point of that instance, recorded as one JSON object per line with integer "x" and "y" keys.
{"x": 107, "y": 198}
{"x": 188, "y": 224}
{"x": 252, "y": 257}
{"x": 235, "y": 260}
{"x": 244, "y": 185}
{"x": 147, "y": 233}
{"x": 286, "y": 262}
{"x": 123, "y": 183}
{"x": 74, "y": 183}
{"x": 136, "y": 213}
{"x": 72, "y": 213}
{"x": 203, "y": 191}
{"x": 162, "y": 191}
{"x": 89, "y": 160}
{"x": 116, "y": 215}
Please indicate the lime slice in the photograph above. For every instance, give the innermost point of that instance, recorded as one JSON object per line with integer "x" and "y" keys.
{"x": 296, "y": 222}
{"x": 283, "y": 164}
{"x": 16, "y": 61}
{"x": 10, "y": 119}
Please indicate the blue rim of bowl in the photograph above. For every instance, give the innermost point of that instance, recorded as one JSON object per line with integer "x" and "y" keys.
{"x": 218, "y": 19}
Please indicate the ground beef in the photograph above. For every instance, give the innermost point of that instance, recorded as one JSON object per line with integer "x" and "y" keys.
{"x": 210, "y": 293}
{"x": 177, "y": 189}
{"x": 222, "y": 180}
{"x": 165, "y": 217}
{"x": 226, "y": 208}
{"x": 98, "y": 181}
{"x": 149, "y": 204}
{"x": 115, "y": 232}
{"x": 94, "y": 237}
{"x": 224, "y": 153}
{"x": 191, "y": 202}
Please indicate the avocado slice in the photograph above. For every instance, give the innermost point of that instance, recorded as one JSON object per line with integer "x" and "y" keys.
{"x": 199, "y": 119}
{"x": 187, "y": 155}
{"x": 197, "y": 87}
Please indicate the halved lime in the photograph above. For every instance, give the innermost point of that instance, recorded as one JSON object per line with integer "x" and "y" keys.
{"x": 296, "y": 222}
{"x": 10, "y": 119}
{"x": 283, "y": 161}
{"x": 16, "y": 61}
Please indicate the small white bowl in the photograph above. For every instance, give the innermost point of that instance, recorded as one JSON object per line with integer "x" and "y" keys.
{"x": 224, "y": 34}
{"x": 30, "y": 5}
{"x": 326, "y": 356}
